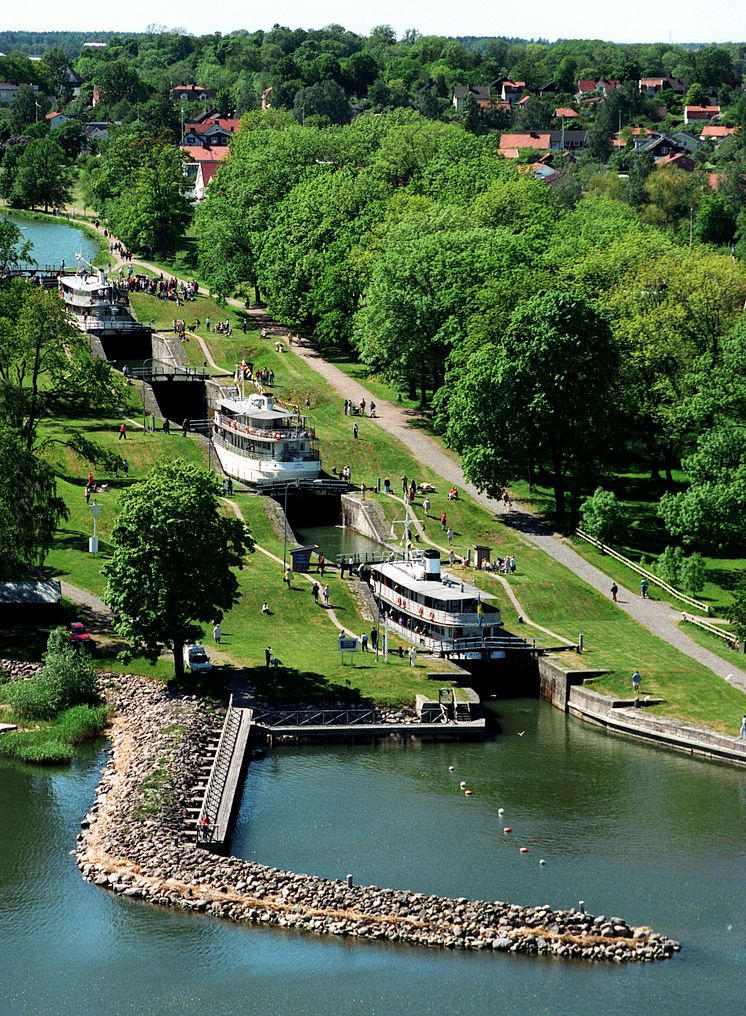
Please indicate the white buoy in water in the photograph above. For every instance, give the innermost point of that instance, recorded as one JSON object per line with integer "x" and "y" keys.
{"x": 500, "y": 811}
{"x": 462, "y": 784}
{"x": 450, "y": 769}
{"x": 542, "y": 861}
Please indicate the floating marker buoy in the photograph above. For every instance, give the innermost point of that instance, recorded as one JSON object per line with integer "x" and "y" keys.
{"x": 507, "y": 829}
{"x": 462, "y": 784}
{"x": 468, "y": 793}
{"x": 500, "y": 811}
{"x": 542, "y": 861}
{"x": 524, "y": 850}
{"x": 450, "y": 769}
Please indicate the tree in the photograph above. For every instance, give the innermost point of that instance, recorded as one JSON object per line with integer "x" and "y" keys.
{"x": 603, "y": 517}
{"x": 715, "y": 222}
{"x": 153, "y": 213}
{"x": 737, "y": 610}
{"x": 171, "y": 571}
{"x": 326, "y": 99}
{"x": 46, "y": 368}
{"x": 30, "y": 509}
{"x": 14, "y": 250}
{"x": 42, "y": 176}
{"x": 544, "y": 395}
{"x": 693, "y": 574}
{"x": 669, "y": 565}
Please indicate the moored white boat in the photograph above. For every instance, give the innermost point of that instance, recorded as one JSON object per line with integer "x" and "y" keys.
{"x": 258, "y": 442}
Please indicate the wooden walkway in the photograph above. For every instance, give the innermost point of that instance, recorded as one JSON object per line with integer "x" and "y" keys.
{"x": 219, "y": 803}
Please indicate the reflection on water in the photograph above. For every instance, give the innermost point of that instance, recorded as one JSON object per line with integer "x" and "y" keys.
{"x": 53, "y": 240}
{"x": 333, "y": 540}
{"x": 649, "y": 835}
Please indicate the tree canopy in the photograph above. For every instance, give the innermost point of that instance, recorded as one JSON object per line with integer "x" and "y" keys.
{"x": 171, "y": 571}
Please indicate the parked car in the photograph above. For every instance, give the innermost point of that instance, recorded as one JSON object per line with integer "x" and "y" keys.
{"x": 80, "y": 636}
{"x": 195, "y": 658}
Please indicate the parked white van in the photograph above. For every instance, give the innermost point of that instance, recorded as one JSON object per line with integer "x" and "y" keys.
{"x": 196, "y": 658}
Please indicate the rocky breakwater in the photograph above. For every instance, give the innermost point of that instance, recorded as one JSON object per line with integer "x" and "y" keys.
{"x": 133, "y": 842}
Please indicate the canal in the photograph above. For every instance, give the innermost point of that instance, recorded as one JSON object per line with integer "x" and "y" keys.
{"x": 646, "y": 834}
{"x": 53, "y": 240}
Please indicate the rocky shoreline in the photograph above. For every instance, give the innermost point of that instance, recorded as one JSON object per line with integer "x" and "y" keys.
{"x": 133, "y": 842}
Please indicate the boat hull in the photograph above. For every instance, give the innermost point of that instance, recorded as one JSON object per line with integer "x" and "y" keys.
{"x": 258, "y": 471}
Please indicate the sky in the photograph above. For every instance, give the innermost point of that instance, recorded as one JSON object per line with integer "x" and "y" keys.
{"x": 630, "y": 21}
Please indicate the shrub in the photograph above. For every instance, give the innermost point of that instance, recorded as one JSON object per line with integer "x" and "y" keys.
{"x": 69, "y": 673}
{"x": 49, "y": 752}
{"x": 34, "y": 699}
{"x": 603, "y": 517}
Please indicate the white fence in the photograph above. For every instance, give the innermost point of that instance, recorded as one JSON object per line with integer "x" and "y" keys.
{"x": 650, "y": 576}
{"x": 713, "y": 629}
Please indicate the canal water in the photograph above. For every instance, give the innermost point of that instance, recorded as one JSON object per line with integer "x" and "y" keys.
{"x": 333, "y": 540}
{"x": 54, "y": 240}
{"x": 638, "y": 832}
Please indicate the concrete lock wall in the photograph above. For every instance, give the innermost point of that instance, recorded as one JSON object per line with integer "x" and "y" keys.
{"x": 366, "y": 518}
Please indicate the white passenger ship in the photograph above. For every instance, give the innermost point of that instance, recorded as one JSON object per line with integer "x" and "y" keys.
{"x": 437, "y": 611}
{"x": 98, "y": 306}
{"x": 260, "y": 443}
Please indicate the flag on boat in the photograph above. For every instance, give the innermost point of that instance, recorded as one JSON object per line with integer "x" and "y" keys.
{"x": 480, "y": 609}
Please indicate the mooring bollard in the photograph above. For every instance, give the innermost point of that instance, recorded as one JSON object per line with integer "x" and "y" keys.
{"x": 581, "y": 906}
{"x": 349, "y": 881}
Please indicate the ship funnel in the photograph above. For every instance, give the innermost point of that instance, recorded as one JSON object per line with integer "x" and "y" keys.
{"x": 431, "y": 560}
{"x": 101, "y": 277}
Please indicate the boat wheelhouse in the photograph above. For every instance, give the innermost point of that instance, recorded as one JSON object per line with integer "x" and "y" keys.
{"x": 435, "y": 610}
{"x": 98, "y": 306}
{"x": 258, "y": 442}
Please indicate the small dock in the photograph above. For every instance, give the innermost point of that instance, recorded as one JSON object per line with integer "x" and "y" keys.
{"x": 360, "y": 724}
{"x": 216, "y": 813}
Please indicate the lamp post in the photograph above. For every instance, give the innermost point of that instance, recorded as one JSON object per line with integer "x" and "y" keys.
{"x": 93, "y": 542}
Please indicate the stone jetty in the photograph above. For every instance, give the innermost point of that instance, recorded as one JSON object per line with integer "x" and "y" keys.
{"x": 133, "y": 842}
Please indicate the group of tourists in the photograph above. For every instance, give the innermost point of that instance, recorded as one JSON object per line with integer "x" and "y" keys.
{"x": 115, "y": 247}
{"x": 358, "y": 408}
{"x": 501, "y": 565}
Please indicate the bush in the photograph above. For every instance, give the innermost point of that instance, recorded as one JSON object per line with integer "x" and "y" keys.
{"x": 34, "y": 699}
{"x": 603, "y": 517}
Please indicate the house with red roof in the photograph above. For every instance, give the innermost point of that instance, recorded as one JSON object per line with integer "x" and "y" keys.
{"x": 679, "y": 160}
{"x": 190, "y": 93}
{"x": 717, "y": 132}
{"x": 214, "y": 130}
{"x": 200, "y": 166}
{"x": 590, "y": 87}
{"x": 653, "y": 86}
{"x": 480, "y": 93}
{"x": 565, "y": 112}
{"x": 693, "y": 113}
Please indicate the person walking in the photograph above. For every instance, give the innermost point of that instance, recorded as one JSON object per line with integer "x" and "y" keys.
{"x": 185, "y": 426}
{"x": 404, "y": 485}
{"x": 443, "y": 521}
{"x": 217, "y": 633}
{"x": 268, "y": 656}
{"x": 327, "y": 595}
{"x": 354, "y": 430}
{"x": 374, "y": 640}
{"x": 322, "y": 565}
{"x": 614, "y": 591}
{"x": 449, "y": 536}
{"x": 364, "y": 642}
{"x": 412, "y": 656}
{"x": 287, "y": 577}
{"x": 742, "y": 732}
{"x": 315, "y": 593}
{"x": 426, "y": 506}
{"x": 363, "y": 488}
{"x": 636, "y": 682}
{"x": 644, "y": 589}
{"x": 122, "y": 431}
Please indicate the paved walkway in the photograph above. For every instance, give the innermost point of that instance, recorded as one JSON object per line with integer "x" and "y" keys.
{"x": 659, "y": 617}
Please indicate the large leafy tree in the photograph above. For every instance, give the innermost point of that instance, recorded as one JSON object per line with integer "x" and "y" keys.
{"x": 46, "y": 368}
{"x": 30, "y": 509}
{"x": 41, "y": 176}
{"x": 171, "y": 572}
{"x": 14, "y": 250}
{"x": 543, "y": 396}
